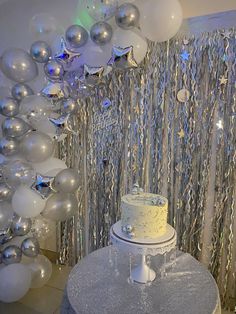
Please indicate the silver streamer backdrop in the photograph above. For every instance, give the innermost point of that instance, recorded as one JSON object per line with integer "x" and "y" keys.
{"x": 170, "y": 126}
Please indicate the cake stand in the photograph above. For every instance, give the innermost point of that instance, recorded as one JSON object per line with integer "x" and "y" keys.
{"x": 161, "y": 245}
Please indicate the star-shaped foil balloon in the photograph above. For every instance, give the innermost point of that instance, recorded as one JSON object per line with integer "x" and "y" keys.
{"x": 43, "y": 185}
{"x": 92, "y": 75}
{"x": 184, "y": 55}
{"x": 66, "y": 55}
{"x": 123, "y": 58}
{"x": 62, "y": 124}
{"x": 56, "y": 90}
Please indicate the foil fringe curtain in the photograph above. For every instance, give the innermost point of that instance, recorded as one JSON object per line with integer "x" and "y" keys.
{"x": 138, "y": 139}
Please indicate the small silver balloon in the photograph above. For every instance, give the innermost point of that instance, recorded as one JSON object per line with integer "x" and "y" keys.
{"x": 20, "y": 226}
{"x": 20, "y": 91}
{"x": 127, "y": 16}
{"x": 9, "y": 107}
{"x": 70, "y": 106}
{"x": 14, "y": 127}
{"x": 30, "y": 247}
{"x": 9, "y": 147}
{"x": 11, "y": 255}
{"x": 76, "y": 36}
{"x": 5, "y": 192}
{"x": 40, "y": 51}
{"x": 54, "y": 70}
{"x": 67, "y": 181}
{"x": 101, "y": 33}
{"x": 5, "y": 236}
{"x": 18, "y": 65}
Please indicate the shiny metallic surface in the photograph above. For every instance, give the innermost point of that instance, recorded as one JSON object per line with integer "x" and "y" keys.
{"x": 30, "y": 247}
{"x": 14, "y": 127}
{"x": 76, "y": 36}
{"x": 20, "y": 91}
{"x": 40, "y": 51}
{"x": 11, "y": 255}
{"x": 101, "y": 33}
{"x": 20, "y": 226}
{"x": 127, "y": 16}
{"x": 8, "y": 147}
{"x": 54, "y": 70}
{"x": 9, "y": 107}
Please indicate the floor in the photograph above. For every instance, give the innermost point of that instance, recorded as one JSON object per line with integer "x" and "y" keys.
{"x": 46, "y": 300}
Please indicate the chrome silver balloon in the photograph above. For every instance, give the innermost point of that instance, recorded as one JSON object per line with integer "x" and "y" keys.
{"x": 76, "y": 36}
{"x": 127, "y": 16}
{"x": 101, "y": 33}
{"x": 8, "y": 146}
{"x": 30, "y": 247}
{"x": 18, "y": 65}
{"x": 9, "y": 107}
{"x": 5, "y": 192}
{"x": 20, "y": 91}
{"x": 14, "y": 127}
{"x": 69, "y": 106}
{"x": 5, "y": 236}
{"x": 11, "y": 255}
{"x": 40, "y": 51}
{"x": 20, "y": 226}
{"x": 67, "y": 181}
{"x": 54, "y": 70}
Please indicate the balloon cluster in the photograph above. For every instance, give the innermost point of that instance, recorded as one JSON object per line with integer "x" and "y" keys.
{"x": 36, "y": 187}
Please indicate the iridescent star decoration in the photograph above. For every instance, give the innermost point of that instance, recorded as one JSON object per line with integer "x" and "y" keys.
{"x": 65, "y": 55}
{"x": 226, "y": 34}
{"x": 56, "y": 90}
{"x": 181, "y": 133}
{"x": 62, "y": 124}
{"x": 123, "y": 58}
{"x": 43, "y": 185}
{"x": 223, "y": 80}
{"x": 92, "y": 75}
{"x": 184, "y": 55}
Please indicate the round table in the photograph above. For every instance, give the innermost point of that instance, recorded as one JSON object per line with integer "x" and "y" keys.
{"x": 99, "y": 284}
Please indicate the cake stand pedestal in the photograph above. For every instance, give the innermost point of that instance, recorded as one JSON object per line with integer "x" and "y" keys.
{"x": 138, "y": 246}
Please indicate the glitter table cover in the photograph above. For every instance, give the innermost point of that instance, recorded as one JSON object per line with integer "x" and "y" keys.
{"x": 99, "y": 285}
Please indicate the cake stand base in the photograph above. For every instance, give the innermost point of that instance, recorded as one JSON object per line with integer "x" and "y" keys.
{"x": 143, "y": 273}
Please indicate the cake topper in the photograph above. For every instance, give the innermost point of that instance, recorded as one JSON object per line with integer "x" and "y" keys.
{"x": 136, "y": 189}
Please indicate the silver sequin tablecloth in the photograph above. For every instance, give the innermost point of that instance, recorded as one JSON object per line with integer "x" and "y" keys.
{"x": 98, "y": 285}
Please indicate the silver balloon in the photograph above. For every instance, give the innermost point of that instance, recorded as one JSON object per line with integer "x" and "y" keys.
{"x": 5, "y": 236}
{"x": 101, "y": 33}
{"x": 60, "y": 207}
{"x": 18, "y": 65}
{"x": 30, "y": 247}
{"x": 9, "y": 107}
{"x": 70, "y": 106}
{"x": 40, "y": 51}
{"x": 11, "y": 255}
{"x": 67, "y": 181}
{"x": 37, "y": 147}
{"x": 76, "y": 36}
{"x": 14, "y": 127}
{"x": 5, "y": 192}
{"x": 127, "y": 16}
{"x": 54, "y": 70}
{"x": 20, "y": 226}
{"x": 6, "y": 215}
{"x": 20, "y": 91}
{"x": 18, "y": 172}
{"x": 9, "y": 147}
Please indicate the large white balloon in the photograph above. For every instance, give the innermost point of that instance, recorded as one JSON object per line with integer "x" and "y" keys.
{"x": 50, "y": 164}
{"x": 26, "y": 203}
{"x": 126, "y": 38}
{"x": 160, "y": 20}
{"x": 15, "y": 282}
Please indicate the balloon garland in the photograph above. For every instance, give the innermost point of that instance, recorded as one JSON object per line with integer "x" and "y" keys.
{"x": 36, "y": 187}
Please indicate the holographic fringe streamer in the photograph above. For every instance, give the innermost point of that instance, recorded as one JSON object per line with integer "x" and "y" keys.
{"x": 138, "y": 139}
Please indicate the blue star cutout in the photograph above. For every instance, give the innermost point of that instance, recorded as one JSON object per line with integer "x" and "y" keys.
{"x": 184, "y": 55}
{"x": 65, "y": 55}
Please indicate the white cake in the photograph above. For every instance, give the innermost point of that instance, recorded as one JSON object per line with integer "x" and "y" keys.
{"x": 144, "y": 215}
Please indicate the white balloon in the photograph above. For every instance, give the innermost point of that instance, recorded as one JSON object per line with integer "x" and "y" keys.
{"x": 6, "y": 215}
{"x": 48, "y": 165}
{"x": 53, "y": 172}
{"x": 160, "y": 20}
{"x": 37, "y": 107}
{"x": 45, "y": 126}
{"x": 27, "y": 203}
{"x": 126, "y": 38}
{"x": 43, "y": 26}
{"x": 15, "y": 282}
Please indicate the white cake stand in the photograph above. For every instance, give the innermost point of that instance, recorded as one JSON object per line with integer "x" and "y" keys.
{"x": 161, "y": 245}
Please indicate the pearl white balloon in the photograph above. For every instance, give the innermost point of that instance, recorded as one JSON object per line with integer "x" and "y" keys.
{"x": 6, "y": 215}
{"x": 15, "y": 282}
{"x": 50, "y": 164}
{"x": 160, "y": 20}
{"x": 26, "y": 203}
{"x": 43, "y": 26}
{"x": 126, "y": 38}
{"x": 35, "y": 107}
{"x": 45, "y": 126}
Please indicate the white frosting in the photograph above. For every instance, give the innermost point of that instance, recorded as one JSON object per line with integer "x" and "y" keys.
{"x": 144, "y": 215}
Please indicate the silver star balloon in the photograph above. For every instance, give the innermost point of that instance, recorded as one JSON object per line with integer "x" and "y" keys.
{"x": 123, "y": 58}
{"x": 56, "y": 90}
{"x": 65, "y": 55}
{"x": 92, "y": 75}
{"x": 43, "y": 185}
{"x": 62, "y": 124}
